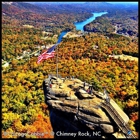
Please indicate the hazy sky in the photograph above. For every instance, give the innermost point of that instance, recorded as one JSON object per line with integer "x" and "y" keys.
{"x": 124, "y": 2}
{"x": 135, "y": 2}
{"x": 65, "y": 2}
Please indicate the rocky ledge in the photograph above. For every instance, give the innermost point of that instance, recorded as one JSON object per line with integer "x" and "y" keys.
{"x": 75, "y": 107}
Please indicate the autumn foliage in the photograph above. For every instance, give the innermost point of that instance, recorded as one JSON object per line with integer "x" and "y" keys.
{"x": 40, "y": 128}
{"x": 85, "y": 57}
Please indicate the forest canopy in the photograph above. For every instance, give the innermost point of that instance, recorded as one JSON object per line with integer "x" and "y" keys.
{"x": 101, "y": 57}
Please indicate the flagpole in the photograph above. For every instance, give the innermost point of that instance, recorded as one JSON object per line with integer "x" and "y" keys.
{"x": 57, "y": 63}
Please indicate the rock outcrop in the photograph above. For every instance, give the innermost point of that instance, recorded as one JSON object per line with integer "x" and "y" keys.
{"x": 77, "y": 105}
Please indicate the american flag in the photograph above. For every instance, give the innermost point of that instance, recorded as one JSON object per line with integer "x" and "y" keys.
{"x": 47, "y": 54}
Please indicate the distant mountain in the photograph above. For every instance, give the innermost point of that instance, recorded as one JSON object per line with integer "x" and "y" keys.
{"x": 98, "y": 6}
{"x": 13, "y": 8}
{"x": 64, "y": 14}
{"x": 71, "y": 6}
{"x": 29, "y": 7}
{"x": 9, "y": 9}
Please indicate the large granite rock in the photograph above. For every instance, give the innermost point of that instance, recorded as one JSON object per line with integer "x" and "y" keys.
{"x": 69, "y": 100}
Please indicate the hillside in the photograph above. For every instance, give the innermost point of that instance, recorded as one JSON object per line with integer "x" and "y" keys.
{"x": 25, "y": 77}
{"x": 50, "y": 17}
{"x": 119, "y": 20}
{"x": 29, "y": 29}
{"x": 43, "y": 15}
{"x": 20, "y": 7}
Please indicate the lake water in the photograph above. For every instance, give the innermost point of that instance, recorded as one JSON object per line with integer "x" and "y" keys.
{"x": 80, "y": 25}
{"x": 61, "y": 36}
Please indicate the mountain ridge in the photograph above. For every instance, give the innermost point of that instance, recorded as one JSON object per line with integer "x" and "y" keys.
{"x": 12, "y": 8}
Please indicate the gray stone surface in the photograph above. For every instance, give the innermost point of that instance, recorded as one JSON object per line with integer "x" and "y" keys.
{"x": 85, "y": 108}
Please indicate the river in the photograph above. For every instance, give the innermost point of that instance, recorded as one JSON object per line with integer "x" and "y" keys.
{"x": 80, "y": 25}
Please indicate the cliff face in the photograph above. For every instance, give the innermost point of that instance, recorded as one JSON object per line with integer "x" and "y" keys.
{"x": 74, "y": 110}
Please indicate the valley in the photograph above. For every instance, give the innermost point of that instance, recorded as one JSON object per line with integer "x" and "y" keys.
{"x": 104, "y": 54}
